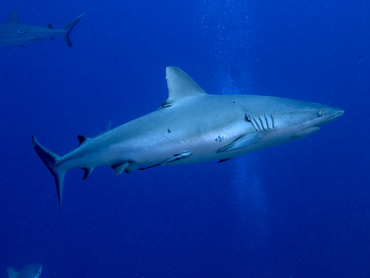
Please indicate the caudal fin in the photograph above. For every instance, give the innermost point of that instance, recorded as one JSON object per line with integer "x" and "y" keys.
{"x": 68, "y": 28}
{"x": 50, "y": 159}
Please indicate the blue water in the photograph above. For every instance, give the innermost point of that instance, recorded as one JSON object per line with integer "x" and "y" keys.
{"x": 293, "y": 211}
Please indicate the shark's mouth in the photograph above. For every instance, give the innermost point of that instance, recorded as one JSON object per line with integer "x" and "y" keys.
{"x": 305, "y": 132}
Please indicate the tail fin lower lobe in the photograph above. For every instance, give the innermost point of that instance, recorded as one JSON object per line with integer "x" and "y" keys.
{"x": 68, "y": 28}
{"x": 50, "y": 160}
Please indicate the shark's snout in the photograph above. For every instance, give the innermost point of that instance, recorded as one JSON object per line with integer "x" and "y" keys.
{"x": 334, "y": 113}
{"x": 327, "y": 114}
{"x": 339, "y": 113}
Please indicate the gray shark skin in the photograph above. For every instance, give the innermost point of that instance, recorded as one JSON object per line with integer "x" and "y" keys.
{"x": 190, "y": 127}
{"x": 12, "y": 32}
{"x": 29, "y": 271}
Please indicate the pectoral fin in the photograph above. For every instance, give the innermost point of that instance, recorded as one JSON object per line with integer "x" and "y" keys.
{"x": 241, "y": 142}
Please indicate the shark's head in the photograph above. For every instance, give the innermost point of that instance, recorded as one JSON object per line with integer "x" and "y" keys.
{"x": 326, "y": 114}
{"x": 304, "y": 118}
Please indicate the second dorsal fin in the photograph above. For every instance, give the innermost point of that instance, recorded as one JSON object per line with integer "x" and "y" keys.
{"x": 82, "y": 139}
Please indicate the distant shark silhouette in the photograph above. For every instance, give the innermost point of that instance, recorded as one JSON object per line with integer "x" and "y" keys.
{"x": 191, "y": 126}
{"x": 29, "y": 271}
{"x": 14, "y": 33}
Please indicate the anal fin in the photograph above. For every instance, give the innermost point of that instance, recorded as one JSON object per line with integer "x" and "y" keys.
{"x": 87, "y": 172}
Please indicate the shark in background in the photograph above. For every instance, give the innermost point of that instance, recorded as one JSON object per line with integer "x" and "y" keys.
{"x": 29, "y": 271}
{"x": 190, "y": 127}
{"x": 12, "y": 32}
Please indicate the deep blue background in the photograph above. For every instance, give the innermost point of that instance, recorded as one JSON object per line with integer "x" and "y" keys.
{"x": 296, "y": 210}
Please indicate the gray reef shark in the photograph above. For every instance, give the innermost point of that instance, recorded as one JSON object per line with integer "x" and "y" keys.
{"x": 14, "y": 33}
{"x": 29, "y": 271}
{"x": 190, "y": 127}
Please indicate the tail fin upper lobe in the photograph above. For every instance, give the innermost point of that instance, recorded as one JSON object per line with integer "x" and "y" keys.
{"x": 68, "y": 28}
{"x": 50, "y": 159}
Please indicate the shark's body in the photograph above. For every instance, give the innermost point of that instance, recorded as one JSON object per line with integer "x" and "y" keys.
{"x": 12, "y": 32}
{"x": 190, "y": 127}
{"x": 29, "y": 271}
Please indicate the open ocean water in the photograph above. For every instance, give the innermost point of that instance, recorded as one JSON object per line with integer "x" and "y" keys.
{"x": 299, "y": 210}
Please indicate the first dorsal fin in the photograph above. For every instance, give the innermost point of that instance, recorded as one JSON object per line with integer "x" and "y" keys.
{"x": 50, "y": 26}
{"x": 13, "y": 17}
{"x": 180, "y": 85}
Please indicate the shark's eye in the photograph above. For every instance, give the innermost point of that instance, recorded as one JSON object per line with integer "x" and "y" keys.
{"x": 321, "y": 113}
